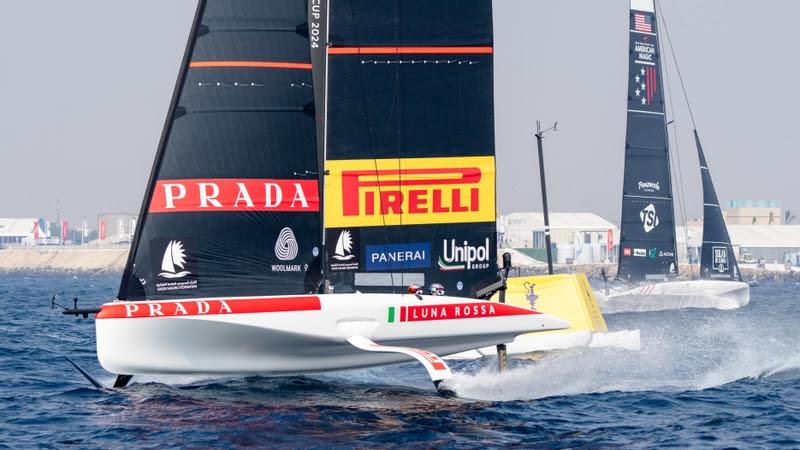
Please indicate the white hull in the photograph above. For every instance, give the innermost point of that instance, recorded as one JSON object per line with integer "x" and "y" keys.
{"x": 273, "y": 336}
{"x": 709, "y": 294}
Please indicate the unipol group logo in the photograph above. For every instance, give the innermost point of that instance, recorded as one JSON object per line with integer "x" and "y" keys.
{"x": 174, "y": 261}
{"x": 286, "y": 245}
{"x": 409, "y": 191}
{"x": 463, "y": 256}
{"x": 649, "y": 218}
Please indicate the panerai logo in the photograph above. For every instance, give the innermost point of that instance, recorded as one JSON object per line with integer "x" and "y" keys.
{"x": 649, "y": 218}
{"x": 649, "y": 186}
{"x": 464, "y": 256}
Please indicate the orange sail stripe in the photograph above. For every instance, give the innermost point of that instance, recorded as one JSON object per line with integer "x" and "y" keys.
{"x": 408, "y": 50}
{"x": 252, "y": 64}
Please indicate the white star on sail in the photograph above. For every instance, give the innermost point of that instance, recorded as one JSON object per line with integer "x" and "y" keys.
{"x": 642, "y": 70}
{"x": 638, "y": 92}
{"x": 636, "y": 78}
{"x": 644, "y": 86}
{"x": 644, "y": 101}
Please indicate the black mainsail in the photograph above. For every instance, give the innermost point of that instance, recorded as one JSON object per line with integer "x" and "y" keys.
{"x": 232, "y": 206}
{"x": 717, "y": 260}
{"x": 647, "y": 228}
{"x": 409, "y": 144}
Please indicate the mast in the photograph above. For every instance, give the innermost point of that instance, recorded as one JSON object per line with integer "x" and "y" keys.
{"x": 318, "y": 19}
{"x": 539, "y": 138}
{"x": 647, "y": 227}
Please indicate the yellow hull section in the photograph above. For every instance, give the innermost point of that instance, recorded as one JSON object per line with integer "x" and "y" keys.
{"x": 566, "y": 296}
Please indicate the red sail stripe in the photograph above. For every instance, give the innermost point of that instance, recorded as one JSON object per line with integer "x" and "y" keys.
{"x": 250, "y": 64}
{"x": 234, "y": 195}
{"x": 408, "y": 50}
{"x": 185, "y": 308}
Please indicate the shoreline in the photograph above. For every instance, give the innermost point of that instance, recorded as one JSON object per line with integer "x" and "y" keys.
{"x": 111, "y": 259}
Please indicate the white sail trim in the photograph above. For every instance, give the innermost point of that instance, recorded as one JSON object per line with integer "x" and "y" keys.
{"x": 643, "y": 5}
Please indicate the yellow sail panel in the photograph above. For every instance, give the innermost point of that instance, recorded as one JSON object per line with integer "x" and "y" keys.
{"x": 409, "y": 191}
{"x": 568, "y": 297}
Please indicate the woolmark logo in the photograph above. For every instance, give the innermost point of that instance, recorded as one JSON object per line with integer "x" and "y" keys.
{"x": 234, "y": 195}
{"x": 649, "y": 186}
{"x": 649, "y": 218}
{"x": 410, "y": 191}
{"x": 464, "y": 256}
{"x": 174, "y": 258}
{"x": 286, "y": 246}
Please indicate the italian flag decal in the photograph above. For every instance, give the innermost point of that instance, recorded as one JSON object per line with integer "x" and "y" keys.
{"x": 453, "y": 311}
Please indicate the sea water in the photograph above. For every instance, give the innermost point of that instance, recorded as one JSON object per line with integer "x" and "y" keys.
{"x": 703, "y": 378}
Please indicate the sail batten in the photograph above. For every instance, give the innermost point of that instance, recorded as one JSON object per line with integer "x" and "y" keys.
{"x": 647, "y": 248}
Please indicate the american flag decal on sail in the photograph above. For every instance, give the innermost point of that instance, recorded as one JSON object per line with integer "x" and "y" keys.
{"x": 646, "y": 85}
{"x": 643, "y": 22}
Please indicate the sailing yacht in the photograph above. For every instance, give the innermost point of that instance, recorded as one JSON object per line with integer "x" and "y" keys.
{"x": 647, "y": 248}
{"x": 317, "y": 159}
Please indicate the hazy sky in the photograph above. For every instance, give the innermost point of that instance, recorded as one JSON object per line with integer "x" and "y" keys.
{"x": 85, "y": 86}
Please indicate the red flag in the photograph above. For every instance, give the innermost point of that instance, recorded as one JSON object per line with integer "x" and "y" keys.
{"x": 35, "y": 230}
{"x": 610, "y": 239}
{"x": 102, "y": 230}
{"x": 64, "y": 230}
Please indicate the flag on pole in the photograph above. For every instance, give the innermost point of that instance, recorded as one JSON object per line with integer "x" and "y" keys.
{"x": 64, "y": 231}
{"x": 102, "y": 230}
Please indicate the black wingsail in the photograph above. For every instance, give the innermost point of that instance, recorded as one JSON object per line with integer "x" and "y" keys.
{"x": 232, "y": 207}
{"x": 717, "y": 260}
{"x": 647, "y": 234}
{"x": 410, "y": 194}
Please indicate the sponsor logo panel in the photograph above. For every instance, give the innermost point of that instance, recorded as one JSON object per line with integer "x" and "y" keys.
{"x": 173, "y": 262}
{"x": 286, "y": 250}
{"x": 463, "y": 255}
{"x": 641, "y": 252}
{"x": 233, "y": 195}
{"x": 627, "y": 251}
{"x": 398, "y": 256}
{"x": 649, "y": 186}
{"x": 344, "y": 249}
{"x": 410, "y": 191}
{"x": 649, "y": 218}
{"x": 720, "y": 258}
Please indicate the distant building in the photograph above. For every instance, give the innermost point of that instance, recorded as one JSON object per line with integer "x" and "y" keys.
{"x": 17, "y": 231}
{"x": 580, "y": 238}
{"x": 750, "y": 242}
{"x": 115, "y": 228}
{"x": 753, "y": 212}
